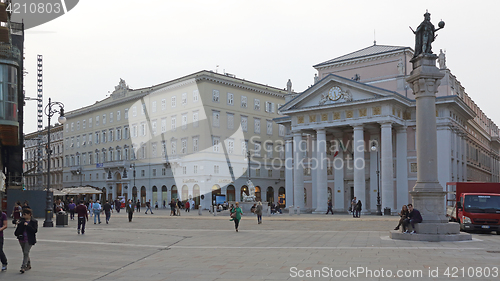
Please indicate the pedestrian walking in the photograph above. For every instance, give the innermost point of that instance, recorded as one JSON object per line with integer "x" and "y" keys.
{"x": 358, "y": 208}
{"x": 130, "y": 210}
{"x": 353, "y": 207}
{"x": 26, "y": 234}
{"x": 258, "y": 212}
{"x": 236, "y": 215}
{"x": 71, "y": 208}
{"x": 156, "y": 205}
{"x": 118, "y": 205}
{"x": 330, "y": 205}
{"x": 16, "y": 213}
{"x": 172, "y": 207}
{"x": 148, "y": 207}
{"x": 164, "y": 204}
{"x": 97, "y": 211}
{"x": 107, "y": 210}
{"x": 178, "y": 207}
{"x": 83, "y": 217}
{"x": 186, "y": 206}
{"x": 3, "y": 226}
{"x": 90, "y": 207}
{"x": 138, "y": 205}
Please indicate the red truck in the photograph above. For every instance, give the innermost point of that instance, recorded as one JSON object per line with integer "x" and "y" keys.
{"x": 475, "y": 205}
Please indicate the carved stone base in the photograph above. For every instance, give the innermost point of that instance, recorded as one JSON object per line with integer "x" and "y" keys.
{"x": 430, "y": 204}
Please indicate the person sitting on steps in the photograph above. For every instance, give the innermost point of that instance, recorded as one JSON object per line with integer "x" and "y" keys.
{"x": 403, "y": 215}
{"x": 414, "y": 217}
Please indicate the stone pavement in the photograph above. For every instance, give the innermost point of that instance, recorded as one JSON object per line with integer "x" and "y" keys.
{"x": 283, "y": 247}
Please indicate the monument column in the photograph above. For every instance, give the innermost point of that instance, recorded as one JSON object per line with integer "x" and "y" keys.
{"x": 288, "y": 172}
{"x": 386, "y": 167}
{"x": 321, "y": 172}
{"x": 338, "y": 174}
{"x": 359, "y": 165}
{"x": 298, "y": 171}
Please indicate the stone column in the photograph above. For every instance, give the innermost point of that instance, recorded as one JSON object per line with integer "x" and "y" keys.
{"x": 313, "y": 166}
{"x": 338, "y": 174}
{"x": 402, "y": 168}
{"x": 386, "y": 167}
{"x": 298, "y": 171}
{"x": 444, "y": 166}
{"x": 374, "y": 180}
{"x": 359, "y": 164}
{"x": 428, "y": 195}
{"x": 321, "y": 174}
{"x": 288, "y": 172}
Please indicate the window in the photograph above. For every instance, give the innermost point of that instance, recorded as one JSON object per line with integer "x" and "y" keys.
{"x": 256, "y": 123}
{"x": 90, "y": 158}
{"x": 230, "y": 99}
{"x": 111, "y": 117}
{"x": 230, "y": 121}
{"x": 153, "y": 150}
{"x": 125, "y": 151}
{"x": 104, "y": 119}
{"x": 134, "y": 130}
{"x": 90, "y": 139}
{"x": 154, "y": 172}
{"x": 84, "y": 140}
{"x": 281, "y": 130}
{"x": 110, "y": 135}
{"x": 269, "y": 127}
{"x": 67, "y": 128}
{"x": 216, "y": 169}
{"x": 257, "y": 172}
{"x": 184, "y": 120}
{"x": 126, "y": 113}
{"x": 244, "y": 123}
{"x": 118, "y": 115}
{"x": 184, "y": 98}
{"x": 196, "y": 95}
{"x": 163, "y": 125}
{"x": 84, "y": 123}
{"x": 174, "y": 147}
{"x": 269, "y": 150}
{"x": 103, "y": 137}
{"x": 125, "y": 133}
{"x": 153, "y": 127}
{"x": 90, "y": 123}
{"x": 163, "y": 149}
{"x": 269, "y": 173}
{"x": 195, "y": 144}
{"x": 184, "y": 170}
{"x": 143, "y": 129}
{"x": 174, "y": 101}
{"x": 230, "y": 146}
{"x": 216, "y": 118}
{"x": 163, "y": 104}
{"x": 184, "y": 146}
{"x": 270, "y": 107}
{"x": 97, "y": 120}
{"x": 256, "y": 104}
{"x": 153, "y": 106}
{"x": 215, "y": 96}
{"x": 72, "y": 126}
{"x": 97, "y": 136}
{"x": 173, "y": 123}
{"x": 78, "y": 126}
{"x": 244, "y": 101}
{"x": 78, "y": 141}
{"x": 257, "y": 148}
{"x": 134, "y": 111}
{"x": 195, "y": 169}
{"x": 163, "y": 171}
{"x": 195, "y": 119}
{"x": 215, "y": 144}
{"x": 118, "y": 134}
{"x": 143, "y": 173}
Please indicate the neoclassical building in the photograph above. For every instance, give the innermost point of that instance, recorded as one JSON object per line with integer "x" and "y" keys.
{"x": 352, "y": 133}
{"x": 185, "y": 138}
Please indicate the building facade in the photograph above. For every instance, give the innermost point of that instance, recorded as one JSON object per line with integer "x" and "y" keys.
{"x": 56, "y": 158}
{"x": 352, "y": 134}
{"x": 186, "y": 138}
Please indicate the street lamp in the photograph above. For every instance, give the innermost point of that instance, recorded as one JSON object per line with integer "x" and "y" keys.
{"x": 50, "y": 112}
{"x": 379, "y": 206}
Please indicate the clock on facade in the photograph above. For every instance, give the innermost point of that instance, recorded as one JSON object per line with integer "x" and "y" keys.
{"x": 335, "y": 93}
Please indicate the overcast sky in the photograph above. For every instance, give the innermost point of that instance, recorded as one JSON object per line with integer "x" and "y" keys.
{"x": 149, "y": 42}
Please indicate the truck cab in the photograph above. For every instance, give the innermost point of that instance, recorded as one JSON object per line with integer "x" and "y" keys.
{"x": 479, "y": 212}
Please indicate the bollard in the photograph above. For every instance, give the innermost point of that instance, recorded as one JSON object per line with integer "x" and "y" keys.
{"x": 290, "y": 210}
{"x": 268, "y": 211}
{"x": 214, "y": 210}
{"x": 298, "y": 211}
{"x": 199, "y": 210}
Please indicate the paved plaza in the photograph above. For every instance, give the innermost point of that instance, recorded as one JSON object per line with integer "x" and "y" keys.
{"x": 283, "y": 247}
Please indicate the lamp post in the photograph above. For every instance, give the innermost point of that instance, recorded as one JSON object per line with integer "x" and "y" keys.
{"x": 379, "y": 206}
{"x": 132, "y": 166}
{"x": 50, "y": 112}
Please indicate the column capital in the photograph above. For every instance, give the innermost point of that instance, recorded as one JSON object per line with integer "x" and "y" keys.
{"x": 357, "y": 126}
{"x": 386, "y": 123}
{"x": 321, "y": 130}
{"x": 401, "y": 129}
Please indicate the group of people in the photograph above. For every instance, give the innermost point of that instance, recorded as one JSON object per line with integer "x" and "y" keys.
{"x": 26, "y": 229}
{"x": 356, "y": 207}
{"x": 408, "y": 216}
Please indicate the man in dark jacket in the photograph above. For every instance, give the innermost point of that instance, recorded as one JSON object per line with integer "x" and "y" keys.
{"x": 413, "y": 217}
{"x": 330, "y": 206}
{"x": 83, "y": 216}
{"x": 130, "y": 210}
{"x": 107, "y": 210}
{"x": 25, "y": 233}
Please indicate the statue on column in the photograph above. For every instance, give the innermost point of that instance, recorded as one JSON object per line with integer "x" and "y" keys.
{"x": 425, "y": 35}
{"x": 442, "y": 60}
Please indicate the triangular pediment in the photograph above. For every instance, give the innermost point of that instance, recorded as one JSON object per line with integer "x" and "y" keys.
{"x": 334, "y": 89}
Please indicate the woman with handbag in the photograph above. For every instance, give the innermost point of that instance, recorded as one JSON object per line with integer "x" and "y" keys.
{"x": 25, "y": 233}
{"x": 236, "y": 215}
